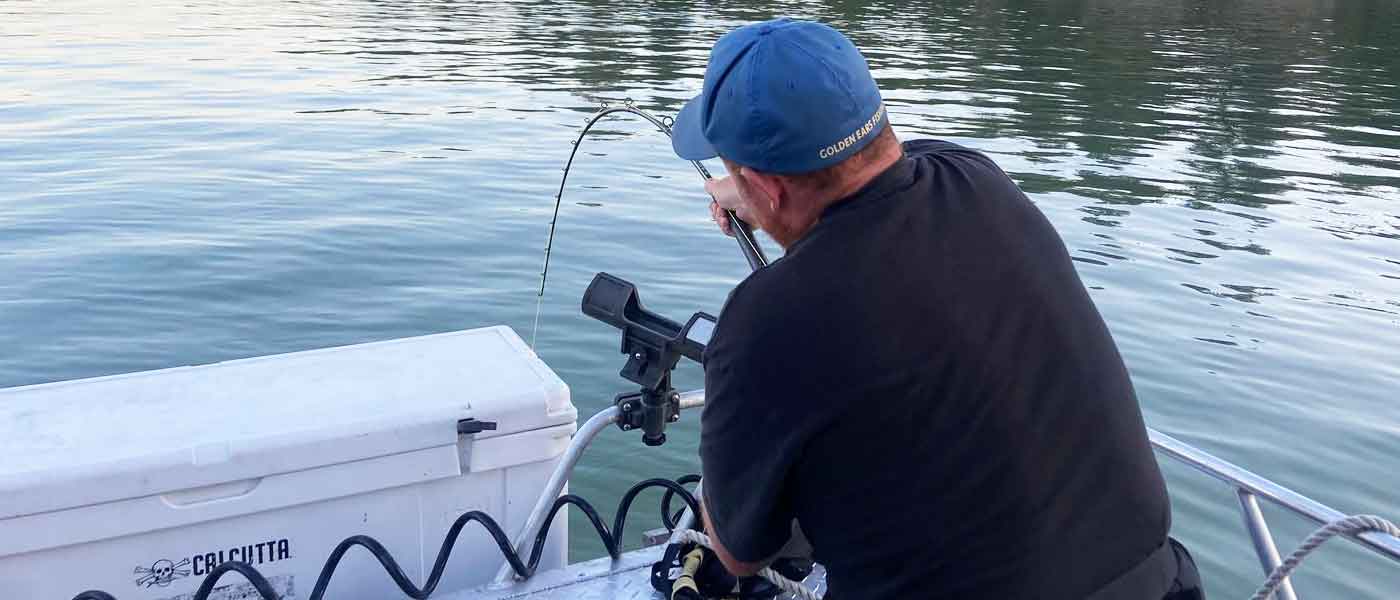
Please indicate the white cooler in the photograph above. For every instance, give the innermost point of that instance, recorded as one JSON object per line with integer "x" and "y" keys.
{"x": 139, "y": 484}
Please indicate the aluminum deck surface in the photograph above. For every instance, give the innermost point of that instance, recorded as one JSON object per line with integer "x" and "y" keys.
{"x": 629, "y": 577}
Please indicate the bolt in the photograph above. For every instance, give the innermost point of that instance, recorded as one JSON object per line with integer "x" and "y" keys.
{"x": 626, "y": 407}
{"x": 637, "y": 356}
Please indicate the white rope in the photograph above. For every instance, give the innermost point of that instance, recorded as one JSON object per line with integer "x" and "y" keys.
{"x": 1348, "y": 526}
{"x": 787, "y": 585}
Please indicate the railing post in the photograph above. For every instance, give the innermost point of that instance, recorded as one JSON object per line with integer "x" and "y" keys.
{"x": 560, "y": 478}
{"x": 1263, "y": 541}
{"x": 557, "y": 480}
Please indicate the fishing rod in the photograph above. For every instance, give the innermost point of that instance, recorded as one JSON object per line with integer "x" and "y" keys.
{"x": 653, "y": 343}
{"x": 743, "y": 233}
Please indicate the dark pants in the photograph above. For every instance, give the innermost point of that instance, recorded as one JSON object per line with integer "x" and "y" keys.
{"x": 1169, "y": 573}
{"x": 1169, "y": 568}
{"x": 1187, "y": 585}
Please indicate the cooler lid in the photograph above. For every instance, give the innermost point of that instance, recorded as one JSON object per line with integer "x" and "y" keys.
{"x": 82, "y": 442}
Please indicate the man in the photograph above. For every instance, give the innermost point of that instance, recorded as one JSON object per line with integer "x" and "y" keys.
{"x": 922, "y": 382}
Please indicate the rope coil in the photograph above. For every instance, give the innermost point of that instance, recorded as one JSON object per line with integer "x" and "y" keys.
{"x": 1353, "y": 525}
{"x": 797, "y": 590}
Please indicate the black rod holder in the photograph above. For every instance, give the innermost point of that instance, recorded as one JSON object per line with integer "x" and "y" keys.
{"x": 654, "y": 345}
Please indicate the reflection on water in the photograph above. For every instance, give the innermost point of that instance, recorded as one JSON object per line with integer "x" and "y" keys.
{"x": 189, "y": 182}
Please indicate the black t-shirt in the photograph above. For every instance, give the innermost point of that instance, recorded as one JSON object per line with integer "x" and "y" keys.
{"x": 924, "y": 384}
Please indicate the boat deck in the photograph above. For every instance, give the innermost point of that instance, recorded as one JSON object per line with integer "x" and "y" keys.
{"x": 628, "y": 577}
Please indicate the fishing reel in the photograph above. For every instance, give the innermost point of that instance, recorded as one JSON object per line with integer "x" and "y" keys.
{"x": 654, "y": 345}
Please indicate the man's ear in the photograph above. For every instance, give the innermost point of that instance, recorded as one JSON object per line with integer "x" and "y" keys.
{"x": 771, "y": 186}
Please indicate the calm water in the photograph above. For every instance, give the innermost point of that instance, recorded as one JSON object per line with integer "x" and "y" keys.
{"x": 193, "y": 181}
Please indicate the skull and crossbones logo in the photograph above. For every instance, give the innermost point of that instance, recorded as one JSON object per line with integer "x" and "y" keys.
{"x": 161, "y": 573}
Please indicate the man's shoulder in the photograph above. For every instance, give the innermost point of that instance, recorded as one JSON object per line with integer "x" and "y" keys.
{"x": 922, "y": 146}
{"x": 943, "y": 150}
{"x": 759, "y": 298}
{"x": 927, "y": 145}
{"x": 764, "y": 310}
{"x": 967, "y": 179}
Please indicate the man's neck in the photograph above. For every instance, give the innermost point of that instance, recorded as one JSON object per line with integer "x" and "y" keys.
{"x": 824, "y": 198}
{"x": 850, "y": 185}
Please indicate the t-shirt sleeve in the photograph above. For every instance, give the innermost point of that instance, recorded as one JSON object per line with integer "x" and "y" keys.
{"x": 747, "y": 448}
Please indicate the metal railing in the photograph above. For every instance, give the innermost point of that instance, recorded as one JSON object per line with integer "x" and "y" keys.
{"x": 1248, "y": 486}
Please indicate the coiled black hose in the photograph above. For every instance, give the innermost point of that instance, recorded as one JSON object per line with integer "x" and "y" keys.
{"x": 612, "y": 540}
{"x": 671, "y": 522}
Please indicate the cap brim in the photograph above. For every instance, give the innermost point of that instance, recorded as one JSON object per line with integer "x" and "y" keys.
{"x": 688, "y": 133}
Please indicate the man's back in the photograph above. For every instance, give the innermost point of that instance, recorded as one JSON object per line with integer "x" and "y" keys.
{"x": 924, "y": 384}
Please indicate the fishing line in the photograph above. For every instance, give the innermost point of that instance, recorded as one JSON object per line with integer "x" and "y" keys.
{"x": 743, "y": 233}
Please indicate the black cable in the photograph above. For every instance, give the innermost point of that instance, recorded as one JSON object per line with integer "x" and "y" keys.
{"x": 620, "y": 519}
{"x": 260, "y": 583}
{"x": 612, "y": 541}
{"x": 666, "y": 519}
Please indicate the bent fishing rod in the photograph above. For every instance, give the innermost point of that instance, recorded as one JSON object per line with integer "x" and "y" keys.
{"x": 743, "y": 233}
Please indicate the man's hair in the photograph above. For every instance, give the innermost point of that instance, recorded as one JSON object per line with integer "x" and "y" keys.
{"x": 883, "y": 143}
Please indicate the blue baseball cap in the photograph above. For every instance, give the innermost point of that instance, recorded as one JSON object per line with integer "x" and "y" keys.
{"x": 782, "y": 96}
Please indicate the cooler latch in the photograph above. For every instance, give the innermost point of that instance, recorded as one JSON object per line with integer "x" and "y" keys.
{"x": 470, "y": 426}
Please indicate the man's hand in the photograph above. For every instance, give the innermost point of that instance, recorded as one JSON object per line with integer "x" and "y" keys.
{"x": 726, "y": 196}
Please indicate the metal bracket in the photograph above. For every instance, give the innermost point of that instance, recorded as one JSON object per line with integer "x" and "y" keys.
{"x": 637, "y": 410}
